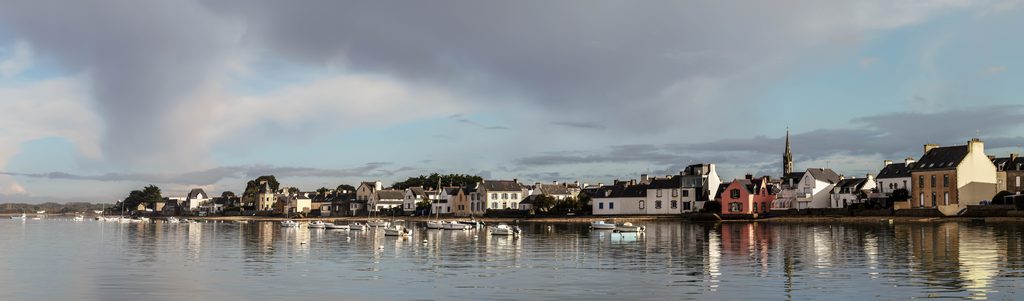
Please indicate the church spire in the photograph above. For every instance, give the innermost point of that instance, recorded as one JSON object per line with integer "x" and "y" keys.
{"x": 787, "y": 157}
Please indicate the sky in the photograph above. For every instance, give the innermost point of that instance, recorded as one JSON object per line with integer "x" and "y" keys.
{"x": 101, "y": 97}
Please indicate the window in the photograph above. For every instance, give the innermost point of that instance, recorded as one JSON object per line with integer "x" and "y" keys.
{"x": 945, "y": 180}
{"x": 920, "y": 183}
{"x": 600, "y": 206}
{"x": 945, "y": 198}
{"x": 686, "y": 206}
{"x": 686, "y": 193}
{"x": 515, "y": 196}
{"x": 734, "y": 207}
{"x": 657, "y": 204}
{"x": 659, "y": 193}
{"x": 1018, "y": 182}
{"x": 675, "y": 192}
{"x": 504, "y": 205}
{"x": 933, "y": 181}
{"x": 735, "y": 193}
{"x": 494, "y": 205}
{"x": 675, "y": 204}
{"x": 494, "y": 196}
{"x": 504, "y": 196}
{"x": 921, "y": 201}
{"x": 764, "y": 207}
{"x": 934, "y": 200}
{"x": 611, "y": 205}
{"x": 641, "y": 205}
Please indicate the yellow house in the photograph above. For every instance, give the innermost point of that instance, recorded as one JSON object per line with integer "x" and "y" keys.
{"x": 952, "y": 177}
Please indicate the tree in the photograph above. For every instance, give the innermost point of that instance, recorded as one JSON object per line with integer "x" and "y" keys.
{"x": 322, "y": 190}
{"x": 345, "y": 187}
{"x": 433, "y": 179}
{"x": 294, "y": 190}
{"x": 1000, "y": 198}
{"x": 544, "y": 203}
{"x": 253, "y": 186}
{"x": 227, "y": 194}
{"x": 898, "y": 195}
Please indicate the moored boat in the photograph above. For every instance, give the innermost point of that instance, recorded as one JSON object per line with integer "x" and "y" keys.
{"x": 289, "y": 224}
{"x": 453, "y": 225}
{"x": 377, "y": 223}
{"x": 504, "y": 229}
{"x": 601, "y": 225}
{"x": 397, "y": 230}
{"x": 356, "y": 226}
{"x": 435, "y": 224}
{"x": 317, "y": 224}
{"x": 332, "y": 226}
{"x": 173, "y": 220}
{"x": 22, "y": 216}
{"x": 629, "y": 227}
{"x": 79, "y": 218}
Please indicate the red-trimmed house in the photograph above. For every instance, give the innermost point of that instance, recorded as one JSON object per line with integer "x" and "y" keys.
{"x": 747, "y": 196}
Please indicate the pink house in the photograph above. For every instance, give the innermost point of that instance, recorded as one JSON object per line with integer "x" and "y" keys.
{"x": 747, "y": 196}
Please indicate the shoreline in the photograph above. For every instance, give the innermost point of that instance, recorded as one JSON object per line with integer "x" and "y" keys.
{"x": 591, "y": 218}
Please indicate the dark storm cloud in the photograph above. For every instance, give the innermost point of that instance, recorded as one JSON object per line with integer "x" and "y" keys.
{"x": 140, "y": 56}
{"x": 891, "y": 135}
{"x": 214, "y": 175}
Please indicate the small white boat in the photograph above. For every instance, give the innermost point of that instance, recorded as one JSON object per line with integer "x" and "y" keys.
{"x": 41, "y": 212}
{"x": 357, "y": 226}
{"x": 435, "y": 224}
{"x": 97, "y": 211}
{"x": 79, "y": 218}
{"x": 453, "y": 225}
{"x": 173, "y": 220}
{"x": 332, "y": 226}
{"x": 22, "y": 216}
{"x": 601, "y": 225}
{"x": 241, "y": 222}
{"x": 289, "y": 224}
{"x": 397, "y": 230}
{"x": 629, "y": 227}
{"x": 37, "y": 217}
{"x": 377, "y": 223}
{"x": 473, "y": 223}
{"x": 317, "y": 224}
{"x": 144, "y": 219}
{"x": 503, "y": 229}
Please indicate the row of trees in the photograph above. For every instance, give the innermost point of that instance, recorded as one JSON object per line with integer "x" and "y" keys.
{"x": 550, "y": 205}
{"x": 148, "y": 194}
{"x": 433, "y": 179}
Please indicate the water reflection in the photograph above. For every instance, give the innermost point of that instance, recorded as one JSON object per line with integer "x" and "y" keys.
{"x": 671, "y": 260}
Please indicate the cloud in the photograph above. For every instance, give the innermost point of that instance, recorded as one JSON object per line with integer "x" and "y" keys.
{"x": 480, "y": 125}
{"x": 889, "y": 135}
{"x": 18, "y": 60}
{"x": 214, "y": 175}
{"x": 995, "y": 69}
{"x": 581, "y": 125}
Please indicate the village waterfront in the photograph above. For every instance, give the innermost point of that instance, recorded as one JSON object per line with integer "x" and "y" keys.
{"x": 869, "y": 258}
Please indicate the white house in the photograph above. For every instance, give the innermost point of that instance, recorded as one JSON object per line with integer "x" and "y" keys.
{"x": 623, "y": 198}
{"x": 366, "y": 190}
{"x": 501, "y": 194}
{"x": 852, "y": 191}
{"x": 387, "y": 199}
{"x": 559, "y": 191}
{"x": 299, "y": 203}
{"x": 699, "y": 183}
{"x": 894, "y": 176}
{"x": 195, "y": 198}
{"x": 413, "y": 195}
{"x": 815, "y": 188}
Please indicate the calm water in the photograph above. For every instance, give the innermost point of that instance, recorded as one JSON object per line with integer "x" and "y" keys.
{"x": 60, "y": 259}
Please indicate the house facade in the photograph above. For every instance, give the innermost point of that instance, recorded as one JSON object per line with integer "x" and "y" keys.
{"x": 893, "y": 177}
{"x": 852, "y": 191}
{"x": 366, "y": 190}
{"x": 195, "y": 198}
{"x": 265, "y": 197}
{"x": 501, "y": 194}
{"x": 815, "y": 188}
{"x": 386, "y": 199}
{"x": 1010, "y": 171}
{"x": 413, "y": 195}
{"x": 747, "y": 196}
{"x": 953, "y": 177}
{"x": 623, "y": 198}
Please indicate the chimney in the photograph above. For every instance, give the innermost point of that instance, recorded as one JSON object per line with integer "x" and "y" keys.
{"x": 870, "y": 177}
{"x": 378, "y": 185}
{"x": 908, "y": 161}
{"x": 887, "y": 162}
{"x": 928, "y": 147}
{"x": 599, "y": 184}
{"x": 554, "y": 182}
{"x": 748, "y": 177}
{"x": 632, "y": 182}
{"x": 643, "y": 178}
{"x": 1013, "y": 157}
{"x": 515, "y": 180}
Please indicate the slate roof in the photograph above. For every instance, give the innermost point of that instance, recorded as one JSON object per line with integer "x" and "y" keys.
{"x": 940, "y": 158}
{"x": 622, "y": 191}
{"x": 390, "y": 194}
{"x": 194, "y": 194}
{"x": 529, "y": 199}
{"x": 894, "y": 170}
{"x": 795, "y": 176}
{"x": 1006, "y": 163}
{"x": 824, "y": 174}
{"x": 417, "y": 191}
{"x": 721, "y": 188}
{"x": 501, "y": 185}
{"x": 552, "y": 189}
{"x": 665, "y": 183}
{"x": 851, "y": 184}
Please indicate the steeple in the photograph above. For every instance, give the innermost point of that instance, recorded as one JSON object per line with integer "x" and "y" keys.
{"x": 787, "y": 157}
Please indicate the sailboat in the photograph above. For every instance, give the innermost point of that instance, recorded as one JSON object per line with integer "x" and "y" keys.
{"x": 437, "y": 223}
{"x": 22, "y": 216}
